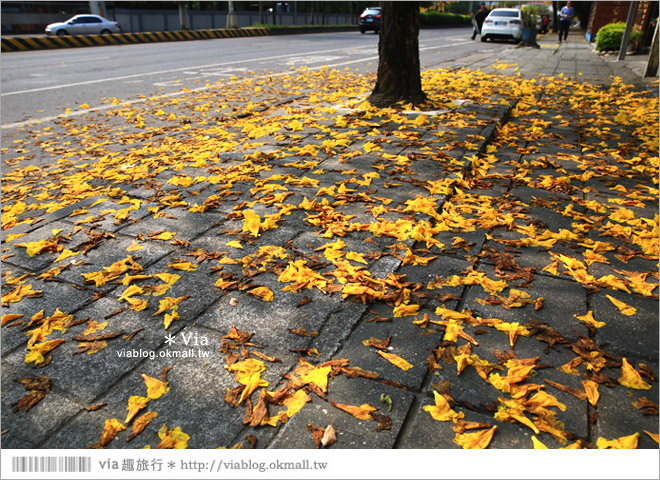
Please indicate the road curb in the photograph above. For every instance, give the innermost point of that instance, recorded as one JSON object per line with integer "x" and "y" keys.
{"x": 24, "y": 43}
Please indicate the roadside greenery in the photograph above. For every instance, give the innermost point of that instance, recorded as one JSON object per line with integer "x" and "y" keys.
{"x": 530, "y": 15}
{"x": 609, "y": 37}
{"x": 443, "y": 18}
{"x": 270, "y": 25}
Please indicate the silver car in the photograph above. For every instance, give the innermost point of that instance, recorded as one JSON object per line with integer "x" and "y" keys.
{"x": 83, "y": 25}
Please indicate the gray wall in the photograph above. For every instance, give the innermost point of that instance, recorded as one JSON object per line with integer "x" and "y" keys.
{"x": 165, "y": 20}
{"x": 133, "y": 21}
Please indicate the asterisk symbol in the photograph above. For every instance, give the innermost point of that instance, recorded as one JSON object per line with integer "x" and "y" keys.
{"x": 169, "y": 339}
{"x": 171, "y": 465}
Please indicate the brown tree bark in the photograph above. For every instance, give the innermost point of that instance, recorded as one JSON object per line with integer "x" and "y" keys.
{"x": 398, "y": 56}
{"x": 652, "y": 63}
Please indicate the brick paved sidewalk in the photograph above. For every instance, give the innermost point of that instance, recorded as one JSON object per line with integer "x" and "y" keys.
{"x": 486, "y": 217}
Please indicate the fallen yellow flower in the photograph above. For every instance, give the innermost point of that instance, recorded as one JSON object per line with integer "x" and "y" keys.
{"x": 631, "y": 378}
{"x": 395, "y": 360}
{"x": 363, "y": 412}
{"x": 629, "y": 442}
{"x": 173, "y": 438}
{"x": 475, "y": 440}
{"x": 589, "y": 318}
{"x": 135, "y": 404}
{"x": 623, "y": 307}
{"x": 264, "y": 293}
{"x": 441, "y": 411}
{"x": 155, "y": 388}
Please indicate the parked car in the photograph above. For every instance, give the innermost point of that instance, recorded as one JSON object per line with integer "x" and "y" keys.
{"x": 370, "y": 20}
{"x": 502, "y": 24}
{"x": 84, "y": 25}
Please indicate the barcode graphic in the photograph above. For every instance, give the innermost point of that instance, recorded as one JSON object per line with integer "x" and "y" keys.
{"x": 51, "y": 464}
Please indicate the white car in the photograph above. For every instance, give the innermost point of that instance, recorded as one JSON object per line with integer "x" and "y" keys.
{"x": 502, "y": 23}
{"x": 83, "y": 25}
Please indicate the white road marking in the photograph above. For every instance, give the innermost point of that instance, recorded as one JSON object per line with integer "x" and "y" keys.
{"x": 444, "y": 46}
{"x": 65, "y": 63}
{"x": 161, "y": 72}
{"x": 306, "y": 59}
{"x": 171, "y": 83}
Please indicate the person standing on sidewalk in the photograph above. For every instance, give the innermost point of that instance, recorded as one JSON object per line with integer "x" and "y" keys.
{"x": 478, "y": 20}
{"x": 565, "y": 16}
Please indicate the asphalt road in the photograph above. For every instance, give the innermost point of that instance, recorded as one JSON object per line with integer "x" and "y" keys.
{"x": 40, "y": 85}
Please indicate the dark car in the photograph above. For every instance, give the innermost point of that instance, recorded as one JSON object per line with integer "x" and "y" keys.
{"x": 370, "y": 20}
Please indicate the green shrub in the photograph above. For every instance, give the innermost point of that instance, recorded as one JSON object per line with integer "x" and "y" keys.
{"x": 458, "y": 7}
{"x": 443, "y": 18}
{"x": 636, "y": 36}
{"x": 531, "y": 14}
{"x": 609, "y": 37}
{"x": 271, "y": 26}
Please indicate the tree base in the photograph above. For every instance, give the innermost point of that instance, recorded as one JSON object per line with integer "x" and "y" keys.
{"x": 384, "y": 100}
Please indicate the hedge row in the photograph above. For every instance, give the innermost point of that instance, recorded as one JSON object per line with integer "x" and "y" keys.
{"x": 609, "y": 37}
{"x": 444, "y": 18}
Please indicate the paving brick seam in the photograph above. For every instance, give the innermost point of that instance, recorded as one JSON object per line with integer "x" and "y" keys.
{"x": 504, "y": 115}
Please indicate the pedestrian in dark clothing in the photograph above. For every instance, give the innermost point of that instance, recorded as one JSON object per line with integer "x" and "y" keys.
{"x": 565, "y": 16}
{"x": 478, "y": 20}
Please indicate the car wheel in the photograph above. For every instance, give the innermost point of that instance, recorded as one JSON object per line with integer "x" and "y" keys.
{"x": 376, "y": 31}
{"x": 483, "y": 39}
{"x": 105, "y": 32}
{"x": 363, "y": 31}
{"x": 61, "y": 33}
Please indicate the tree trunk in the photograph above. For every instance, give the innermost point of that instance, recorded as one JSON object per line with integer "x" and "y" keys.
{"x": 183, "y": 15}
{"x": 398, "y": 56}
{"x": 652, "y": 64}
{"x": 232, "y": 21}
